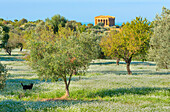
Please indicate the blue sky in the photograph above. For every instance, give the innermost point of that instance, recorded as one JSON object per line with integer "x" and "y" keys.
{"x": 81, "y": 10}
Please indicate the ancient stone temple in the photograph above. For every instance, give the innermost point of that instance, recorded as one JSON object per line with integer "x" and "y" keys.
{"x": 107, "y": 20}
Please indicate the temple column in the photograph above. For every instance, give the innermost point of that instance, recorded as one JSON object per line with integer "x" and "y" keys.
{"x": 108, "y": 22}
{"x": 95, "y": 21}
{"x": 104, "y": 21}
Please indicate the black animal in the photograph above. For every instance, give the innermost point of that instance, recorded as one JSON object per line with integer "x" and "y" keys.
{"x": 25, "y": 87}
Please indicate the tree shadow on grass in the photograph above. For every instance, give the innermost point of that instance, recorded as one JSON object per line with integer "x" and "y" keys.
{"x": 10, "y": 59}
{"x": 142, "y": 72}
{"x": 133, "y": 63}
{"x": 123, "y": 91}
{"x": 13, "y": 57}
{"x": 12, "y": 106}
{"x": 23, "y": 106}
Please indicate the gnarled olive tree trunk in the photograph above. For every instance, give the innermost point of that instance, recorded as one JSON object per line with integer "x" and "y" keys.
{"x": 67, "y": 83}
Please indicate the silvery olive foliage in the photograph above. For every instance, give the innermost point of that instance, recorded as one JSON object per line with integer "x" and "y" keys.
{"x": 60, "y": 55}
{"x": 159, "y": 43}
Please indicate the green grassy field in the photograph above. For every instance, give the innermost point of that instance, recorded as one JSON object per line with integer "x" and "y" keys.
{"x": 106, "y": 87}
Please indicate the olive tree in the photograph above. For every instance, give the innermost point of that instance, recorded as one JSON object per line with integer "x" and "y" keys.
{"x": 4, "y": 36}
{"x": 55, "y": 21}
{"x": 159, "y": 44}
{"x": 21, "y": 22}
{"x": 4, "y": 39}
{"x": 59, "y": 55}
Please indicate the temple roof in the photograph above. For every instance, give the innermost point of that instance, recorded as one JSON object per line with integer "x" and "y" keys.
{"x": 101, "y": 16}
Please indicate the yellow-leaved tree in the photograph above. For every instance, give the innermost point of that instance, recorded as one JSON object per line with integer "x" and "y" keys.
{"x": 131, "y": 41}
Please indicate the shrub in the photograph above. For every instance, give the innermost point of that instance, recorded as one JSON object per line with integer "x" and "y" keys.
{"x": 100, "y": 24}
{"x": 96, "y": 27}
{"x": 3, "y": 75}
{"x": 117, "y": 26}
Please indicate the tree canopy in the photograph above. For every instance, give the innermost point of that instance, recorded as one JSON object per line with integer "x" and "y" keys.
{"x": 159, "y": 44}
{"x": 55, "y": 21}
{"x": 59, "y": 55}
{"x": 4, "y": 36}
{"x": 131, "y": 41}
